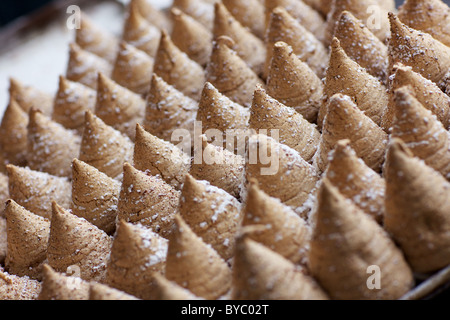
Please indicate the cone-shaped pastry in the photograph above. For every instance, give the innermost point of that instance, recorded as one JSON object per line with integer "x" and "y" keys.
{"x": 430, "y": 16}
{"x": 304, "y": 14}
{"x": 140, "y": 33}
{"x": 249, "y": 13}
{"x": 419, "y": 50}
{"x": 160, "y": 158}
{"x": 72, "y": 101}
{"x": 247, "y": 45}
{"x": 51, "y": 147}
{"x": 212, "y": 214}
{"x": 98, "y": 292}
{"x": 152, "y": 14}
{"x": 13, "y": 134}
{"x": 61, "y": 287}
{"x": 416, "y": 216}
{"x": 281, "y": 172}
{"x": 283, "y": 27}
{"x": 147, "y": 200}
{"x": 191, "y": 37}
{"x": 280, "y": 228}
{"x": 347, "y": 245}
{"x": 217, "y": 113}
{"x": 371, "y": 12}
{"x": 92, "y": 38}
{"x": 169, "y": 110}
{"x": 219, "y": 166}
{"x": 30, "y": 97}
{"x": 344, "y": 120}
{"x": 94, "y": 196}
{"x": 262, "y": 274}
{"x": 200, "y": 10}
{"x": 103, "y": 147}
{"x": 294, "y": 131}
{"x": 424, "y": 90}
{"x": 356, "y": 181}
{"x": 36, "y": 190}
{"x": 230, "y": 74}
{"x": 133, "y": 69}
{"x": 137, "y": 253}
{"x": 83, "y": 66}
{"x": 421, "y": 131}
{"x": 76, "y": 243}
{"x": 166, "y": 290}
{"x": 293, "y": 83}
{"x": 119, "y": 107}
{"x": 347, "y": 77}
{"x": 362, "y": 46}
{"x": 194, "y": 265}
{"x": 16, "y": 288}
{"x": 177, "y": 69}
{"x": 323, "y": 6}
{"x": 27, "y": 235}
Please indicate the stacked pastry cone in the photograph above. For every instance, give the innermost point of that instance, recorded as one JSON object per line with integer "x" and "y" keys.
{"x": 177, "y": 69}
{"x": 136, "y": 254}
{"x": 83, "y": 66}
{"x": 281, "y": 172}
{"x": 94, "y": 196}
{"x": 416, "y": 216}
{"x": 421, "y": 131}
{"x": 419, "y": 50}
{"x": 76, "y": 244}
{"x": 304, "y": 14}
{"x": 229, "y": 74}
{"x": 13, "y": 134}
{"x": 250, "y": 19}
{"x": 373, "y": 12}
{"x": 160, "y": 158}
{"x": 61, "y": 287}
{"x": 30, "y": 97}
{"x": 72, "y": 100}
{"x": 344, "y": 120}
{"x": 92, "y": 38}
{"x": 100, "y": 292}
{"x": 51, "y": 147}
{"x": 424, "y": 90}
{"x": 261, "y": 274}
{"x": 269, "y": 222}
{"x": 221, "y": 167}
{"x": 293, "y": 83}
{"x": 133, "y": 69}
{"x": 27, "y": 236}
{"x": 430, "y": 16}
{"x": 152, "y": 14}
{"x": 356, "y": 181}
{"x": 140, "y": 33}
{"x": 345, "y": 76}
{"x": 283, "y": 27}
{"x": 191, "y": 37}
{"x": 167, "y": 110}
{"x": 119, "y": 107}
{"x": 16, "y": 288}
{"x": 247, "y": 45}
{"x": 200, "y": 10}
{"x": 362, "y": 46}
{"x": 103, "y": 147}
{"x": 212, "y": 214}
{"x": 347, "y": 245}
{"x": 194, "y": 265}
{"x": 166, "y": 290}
{"x": 36, "y": 190}
{"x": 294, "y": 131}
{"x": 147, "y": 200}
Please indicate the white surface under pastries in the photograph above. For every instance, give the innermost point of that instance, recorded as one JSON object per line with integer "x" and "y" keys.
{"x": 43, "y": 55}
